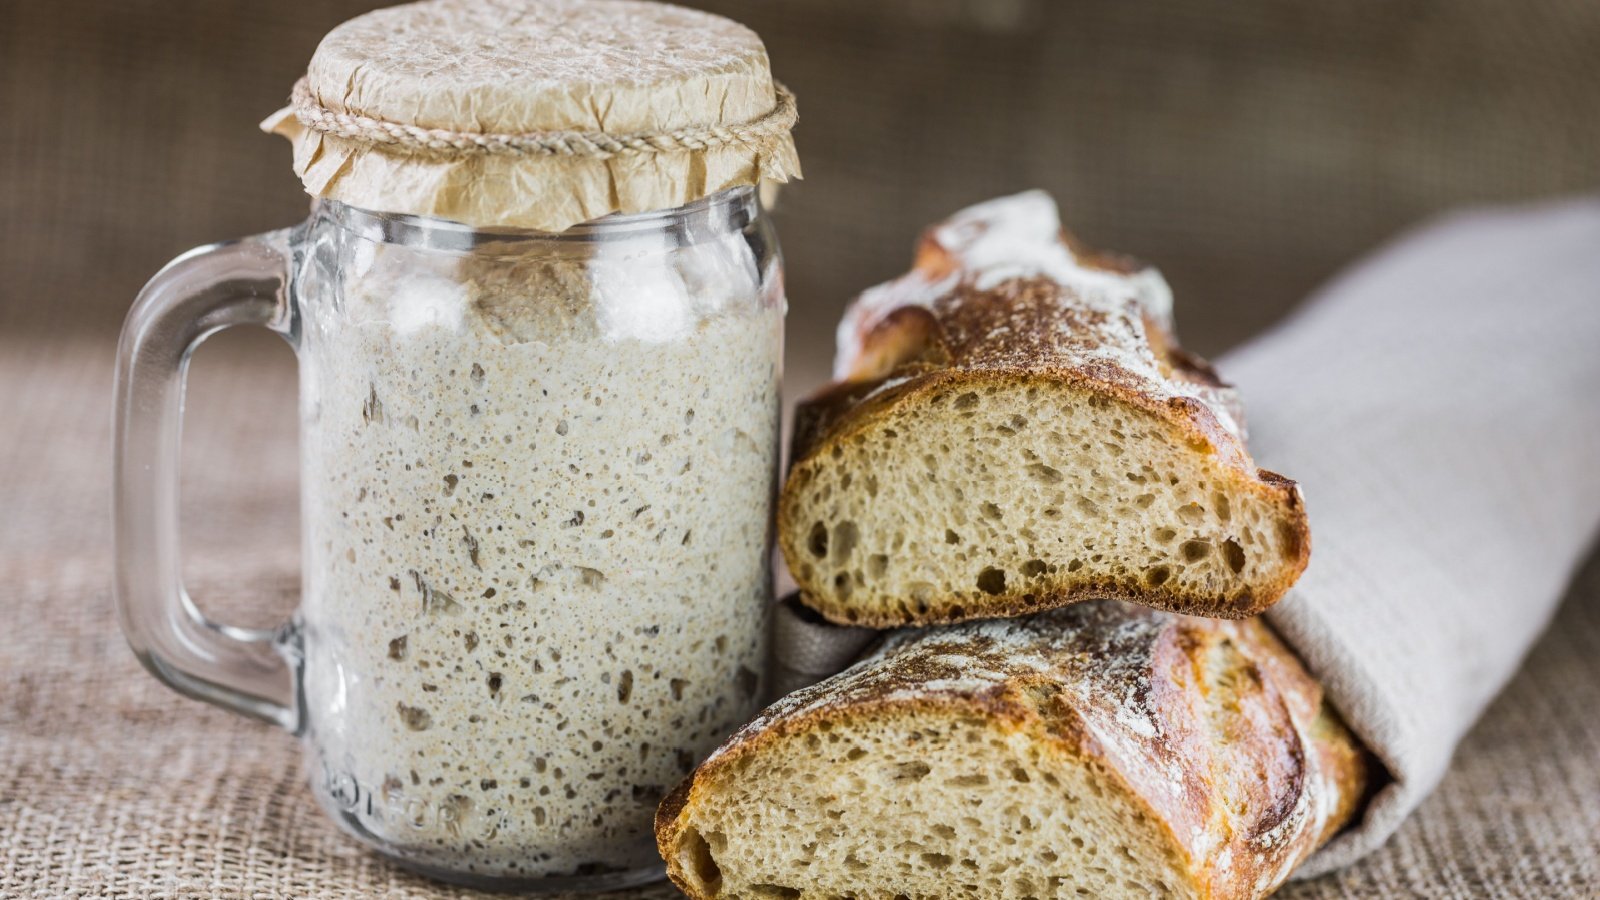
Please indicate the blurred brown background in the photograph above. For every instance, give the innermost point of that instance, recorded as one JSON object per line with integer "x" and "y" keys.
{"x": 1248, "y": 148}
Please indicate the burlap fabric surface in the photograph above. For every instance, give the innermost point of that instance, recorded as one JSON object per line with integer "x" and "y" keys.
{"x": 1252, "y": 148}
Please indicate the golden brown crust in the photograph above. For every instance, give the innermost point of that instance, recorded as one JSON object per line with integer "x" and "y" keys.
{"x": 668, "y": 815}
{"x": 945, "y": 328}
{"x": 1212, "y": 728}
{"x": 1019, "y": 329}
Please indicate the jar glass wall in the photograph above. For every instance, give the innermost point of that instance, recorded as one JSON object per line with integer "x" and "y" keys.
{"x": 537, "y": 481}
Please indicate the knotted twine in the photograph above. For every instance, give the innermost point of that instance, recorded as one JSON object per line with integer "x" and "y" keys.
{"x": 398, "y": 136}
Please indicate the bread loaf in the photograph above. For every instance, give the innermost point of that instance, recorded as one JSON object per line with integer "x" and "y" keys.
{"x": 1101, "y": 750}
{"x": 1014, "y": 428}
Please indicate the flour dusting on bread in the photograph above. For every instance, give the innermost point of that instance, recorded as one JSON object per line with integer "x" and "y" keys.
{"x": 1102, "y": 750}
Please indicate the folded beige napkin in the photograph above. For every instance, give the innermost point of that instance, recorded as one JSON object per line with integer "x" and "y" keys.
{"x": 1440, "y": 405}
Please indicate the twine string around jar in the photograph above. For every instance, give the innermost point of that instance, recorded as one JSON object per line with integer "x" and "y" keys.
{"x": 594, "y": 144}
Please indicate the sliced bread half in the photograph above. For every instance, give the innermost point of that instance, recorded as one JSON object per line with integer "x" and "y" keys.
{"x": 1101, "y": 750}
{"x": 1014, "y": 428}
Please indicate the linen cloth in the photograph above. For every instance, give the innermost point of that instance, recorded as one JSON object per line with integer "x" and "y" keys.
{"x": 808, "y": 649}
{"x": 1440, "y": 405}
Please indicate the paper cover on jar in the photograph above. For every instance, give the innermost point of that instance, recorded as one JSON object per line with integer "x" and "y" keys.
{"x": 536, "y": 113}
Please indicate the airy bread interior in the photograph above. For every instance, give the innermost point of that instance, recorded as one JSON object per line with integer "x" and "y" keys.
{"x": 919, "y": 804}
{"x": 1003, "y": 494}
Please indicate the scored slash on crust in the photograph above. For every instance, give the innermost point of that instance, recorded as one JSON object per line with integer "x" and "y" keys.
{"x": 1100, "y": 748}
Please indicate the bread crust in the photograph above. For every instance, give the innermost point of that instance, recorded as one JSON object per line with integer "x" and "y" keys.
{"x": 1265, "y": 771}
{"x": 943, "y": 328}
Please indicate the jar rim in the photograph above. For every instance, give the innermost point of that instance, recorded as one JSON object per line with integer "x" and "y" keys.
{"x": 736, "y": 206}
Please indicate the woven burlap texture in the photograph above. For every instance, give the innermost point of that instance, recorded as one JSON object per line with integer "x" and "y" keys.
{"x": 1251, "y": 148}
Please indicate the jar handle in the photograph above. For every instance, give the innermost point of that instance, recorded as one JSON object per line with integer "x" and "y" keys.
{"x": 202, "y": 292}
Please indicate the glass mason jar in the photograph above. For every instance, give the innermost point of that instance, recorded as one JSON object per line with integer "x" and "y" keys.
{"x": 537, "y": 477}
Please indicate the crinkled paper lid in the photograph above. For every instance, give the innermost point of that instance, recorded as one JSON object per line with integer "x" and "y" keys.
{"x": 537, "y": 113}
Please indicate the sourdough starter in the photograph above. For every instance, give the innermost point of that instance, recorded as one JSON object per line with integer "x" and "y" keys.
{"x": 537, "y": 499}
